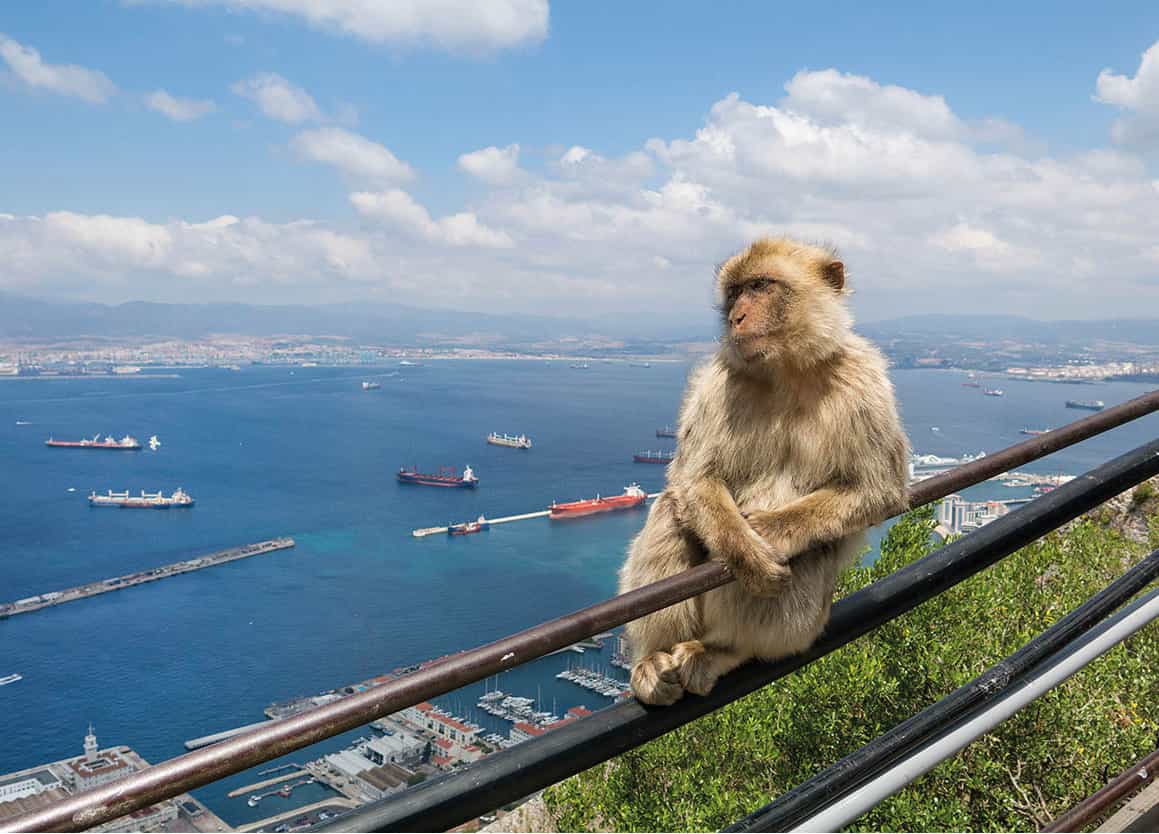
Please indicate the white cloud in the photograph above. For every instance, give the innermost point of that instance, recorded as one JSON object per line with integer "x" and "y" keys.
{"x": 351, "y": 153}
{"x": 25, "y": 63}
{"x": 397, "y": 208}
{"x": 456, "y": 26}
{"x": 492, "y": 165}
{"x": 831, "y": 98}
{"x": 219, "y": 258}
{"x": 278, "y": 99}
{"x": 1138, "y": 96}
{"x": 178, "y": 109}
{"x": 932, "y": 212}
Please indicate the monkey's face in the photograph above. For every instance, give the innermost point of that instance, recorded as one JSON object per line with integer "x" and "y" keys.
{"x": 756, "y": 308}
{"x": 782, "y": 305}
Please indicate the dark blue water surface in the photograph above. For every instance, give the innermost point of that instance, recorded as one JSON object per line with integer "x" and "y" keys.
{"x": 306, "y": 453}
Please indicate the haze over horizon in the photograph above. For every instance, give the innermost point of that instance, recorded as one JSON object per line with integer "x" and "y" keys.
{"x": 511, "y": 157}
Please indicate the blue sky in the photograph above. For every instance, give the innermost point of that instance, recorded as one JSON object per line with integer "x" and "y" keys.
{"x": 108, "y": 198}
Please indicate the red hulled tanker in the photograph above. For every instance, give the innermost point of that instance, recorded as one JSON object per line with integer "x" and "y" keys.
{"x": 633, "y": 497}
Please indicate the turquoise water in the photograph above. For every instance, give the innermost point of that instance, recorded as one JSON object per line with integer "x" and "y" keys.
{"x": 306, "y": 453}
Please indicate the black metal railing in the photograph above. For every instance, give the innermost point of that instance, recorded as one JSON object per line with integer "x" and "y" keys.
{"x": 606, "y": 733}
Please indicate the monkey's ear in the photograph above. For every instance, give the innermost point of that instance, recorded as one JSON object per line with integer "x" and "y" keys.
{"x": 834, "y": 273}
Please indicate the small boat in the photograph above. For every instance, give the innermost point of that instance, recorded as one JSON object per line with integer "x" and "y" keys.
{"x": 1034, "y": 432}
{"x": 579, "y": 366}
{"x": 935, "y": 429}
{"x": 659, "y": 456}
{"x": 7, "y": 679}
{"x": 514, "y": 441}
{"x": 994, "y": 392}
{"x": 666, "y": 431}
{"x": 370, "y": 386}
{"x": 971, "y": 385}
{"x": 468, "y": 527}
{"x": 154, "y": 443}
{"x": 253, "y": 800}
{"x": 23, "y": 423}
{"x": 406, "y": 363}
{"x": 447, "y": 476}
{"x": 1088, "y": 405}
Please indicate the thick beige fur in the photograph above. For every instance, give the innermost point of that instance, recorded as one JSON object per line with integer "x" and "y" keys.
{"x": 789, "y": 447}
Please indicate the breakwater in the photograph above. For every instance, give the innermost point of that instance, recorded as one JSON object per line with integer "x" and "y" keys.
{"x": 104, "y": 586}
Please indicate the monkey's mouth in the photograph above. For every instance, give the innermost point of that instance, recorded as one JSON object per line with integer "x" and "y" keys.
{"x": 748, "y": 346}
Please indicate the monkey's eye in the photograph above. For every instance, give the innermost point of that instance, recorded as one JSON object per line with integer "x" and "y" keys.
{"x": 761, "y": 284}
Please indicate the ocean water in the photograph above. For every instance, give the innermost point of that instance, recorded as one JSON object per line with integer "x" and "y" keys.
{"x": 305, "y": 452}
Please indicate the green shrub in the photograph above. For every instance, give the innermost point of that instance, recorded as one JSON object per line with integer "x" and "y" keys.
{"x": 1034, "y": 766}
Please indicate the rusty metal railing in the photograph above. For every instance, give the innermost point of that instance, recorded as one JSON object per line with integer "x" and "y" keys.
{"x": 192, "y": 770}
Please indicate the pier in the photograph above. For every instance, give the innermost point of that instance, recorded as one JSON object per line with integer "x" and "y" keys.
{"x": 205, "y": 741}
{"x": 434, "y": 531}
{"x": 297, "y": 775}
{"x": 92, "y": 589}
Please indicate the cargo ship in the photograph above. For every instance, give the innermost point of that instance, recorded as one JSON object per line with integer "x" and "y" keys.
{"x": 1089, "y": 405}
{"x": 667, "y": 431}
{"x": 994, "y": 392}
{"x": 128, "y": 443}
{"x": 659, "y": 456}
{"x": 468, "y": 527}
{"x": 144, "y": 501}
{"x": 514, "y": 441}
{"x": 447, "y": 476}
{"x": 370, "y": 386}
{"x": 1035, "y": 432}
{"x": 971, "y": 385}
{"x": 633, "y": 497}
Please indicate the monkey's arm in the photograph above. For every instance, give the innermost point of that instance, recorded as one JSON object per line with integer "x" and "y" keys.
{"x": 707, "y": 509}
{"x": 825, "y": 515}
{"x": 867, "y": 485}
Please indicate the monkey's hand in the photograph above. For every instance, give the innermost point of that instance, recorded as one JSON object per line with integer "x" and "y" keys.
{"x": 760, "y": 567}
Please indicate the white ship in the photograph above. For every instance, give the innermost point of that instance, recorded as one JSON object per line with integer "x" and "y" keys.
{"x": 7, "y": 679}
{"x": 515, "y": 441}
{"x": 146, "y": 500}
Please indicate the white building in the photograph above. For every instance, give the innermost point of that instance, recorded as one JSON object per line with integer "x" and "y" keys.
{"x": 397, "y": 748}
{"x": 957, "y": 515}
{"x": 28, "y": 784}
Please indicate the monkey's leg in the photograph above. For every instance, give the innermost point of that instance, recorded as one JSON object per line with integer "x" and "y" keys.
{"x": 700, "y": 666}
{"x": 662, "y": 549}
{"x": 656, "y": 680}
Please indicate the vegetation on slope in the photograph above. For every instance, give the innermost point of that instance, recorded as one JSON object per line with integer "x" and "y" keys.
{"x": 1033, "y": 767}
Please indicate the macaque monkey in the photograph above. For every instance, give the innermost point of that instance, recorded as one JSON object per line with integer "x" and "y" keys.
{"x": 789, "y": 447}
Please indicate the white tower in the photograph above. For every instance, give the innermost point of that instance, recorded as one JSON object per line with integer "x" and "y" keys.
{"x": 90, "y": 746}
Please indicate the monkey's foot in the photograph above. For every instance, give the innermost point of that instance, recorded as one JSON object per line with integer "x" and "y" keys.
{"x": 763, "y": 578}
{"x": 656, "y": 680}
{"x": 698, "y": 671}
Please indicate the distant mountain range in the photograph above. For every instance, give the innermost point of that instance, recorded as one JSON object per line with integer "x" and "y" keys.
{"x": 29, "y": 319}
{"x": 23, "y": 318}
{"x": 1016, "y": 328}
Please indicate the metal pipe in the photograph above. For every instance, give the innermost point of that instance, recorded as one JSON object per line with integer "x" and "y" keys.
{"x": 1061, "y": 666}
{"x": 859, "y": 767}
{"x": 192, "y": 770}
{"x": 1130, "y": 780}
{"x": 444, "y": 802}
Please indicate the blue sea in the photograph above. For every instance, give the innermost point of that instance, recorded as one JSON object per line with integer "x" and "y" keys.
{"x": 304, "y": 452}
